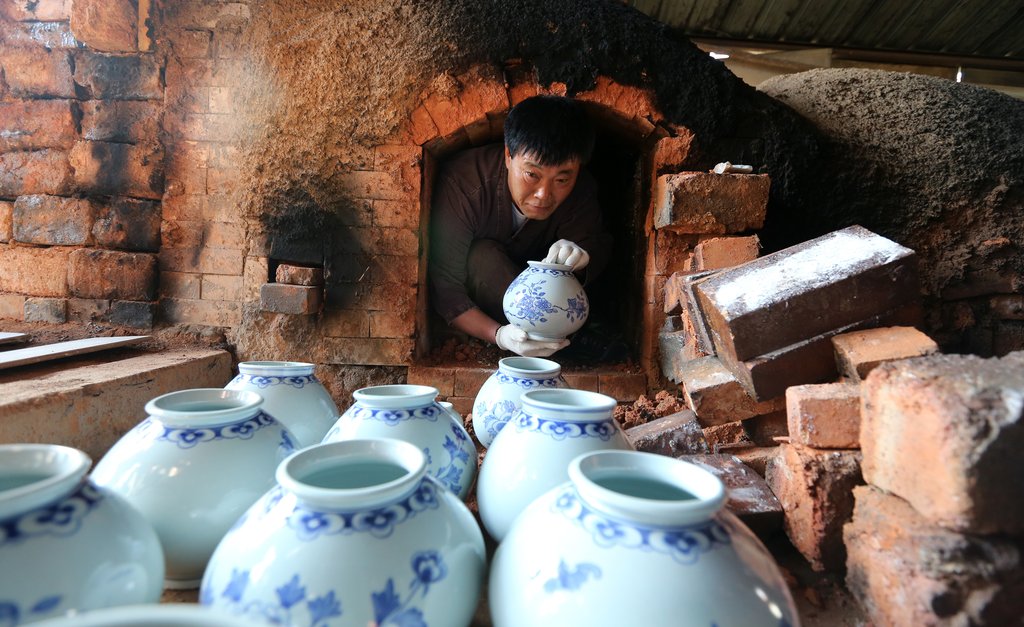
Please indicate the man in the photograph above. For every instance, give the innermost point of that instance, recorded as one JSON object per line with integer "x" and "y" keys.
{"x": 496, "y": 207}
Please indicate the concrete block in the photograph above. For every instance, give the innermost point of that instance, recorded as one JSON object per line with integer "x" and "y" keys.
{"x": 133, "y": 314}
{"x": 50, "y": 310}
{"x": 815, "y": 488}
{"x": 825, "y": 415}
{"x": 701, "y": 202}
{"x": 904, "y": 570}
{"x": 806, "y": 290}
{"x": 672, "y": 435}
{"x": 859, "y": 352}
{"x": 945, "y": 433}
{"x": 90, "y": 402}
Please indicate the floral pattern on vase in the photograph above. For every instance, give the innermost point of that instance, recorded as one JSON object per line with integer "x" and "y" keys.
{"x": 499, "y": 397}
{"x": 547, "y": 301}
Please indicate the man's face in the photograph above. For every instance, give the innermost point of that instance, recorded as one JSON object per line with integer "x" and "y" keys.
{"x": 539, "y": 189}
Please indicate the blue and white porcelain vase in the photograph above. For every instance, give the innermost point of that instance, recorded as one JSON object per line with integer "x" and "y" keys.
{"x": 498, "y": 398}
{"x": 622, "y": 515}
{"x": 547, "y": 301}
{"x": 411, "y": 413}
{"x": 532, "y": 453}
{"x": 356, "y": 533}
{"x": 292, "y": 394}
{"x": 67, "y": 545}
{"x": 192, "y": 467}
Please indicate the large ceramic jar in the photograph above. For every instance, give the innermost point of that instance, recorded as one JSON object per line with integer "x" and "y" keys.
{"x": 623, "y": 515}
{"x": 357, "y": 533}
{"x": 65, "y": 544}
{"x": 531, "y": 454}
{"x": 291, "y": 394}
{"x": 498, "y": 398}
{"x": 547, "y": 301}
{"x": 192, "y": 467}
{"x": 411, "y": 413}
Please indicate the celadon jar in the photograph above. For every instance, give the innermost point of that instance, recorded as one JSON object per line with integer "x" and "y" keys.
{"x": 531, "y": 454}
{"x": 622, "y": 515}
{"x": 498, "y": 398}
{"x": 192, "y": 467}
{"x": 356, "y": 533}
{"x": 547, "y": 301}
{"x": 412, "y": 414}
{"x": 67, "y": 545}
{"x": 291, "y": 394}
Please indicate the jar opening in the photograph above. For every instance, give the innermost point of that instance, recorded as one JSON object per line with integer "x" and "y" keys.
{"x": 20, "y": 480}
{"x": 350, "y": 475}
{"x": 644, "y": 488}
{"x": 530, "y": 365}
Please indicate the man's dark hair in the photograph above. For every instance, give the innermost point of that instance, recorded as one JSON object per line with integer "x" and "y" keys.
{"x": 552, "y": 129}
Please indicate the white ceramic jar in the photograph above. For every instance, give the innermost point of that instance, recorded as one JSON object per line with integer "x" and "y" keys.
{"x": 151, "y": 615}
{"x": 623, "y": 515}
{"x": 292, "y": 394}
{"x": 498, "y": 398}
{"x": 65, "y": 544}
{"x": 532, "y": 453}
{"x": 192, "y": 467}
{"x": 357, "y": 533}
{"x": 411, "y": 413}
{"x": 547, "y": 301}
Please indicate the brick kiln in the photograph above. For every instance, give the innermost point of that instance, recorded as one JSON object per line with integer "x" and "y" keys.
{"x": 264, "y": 170}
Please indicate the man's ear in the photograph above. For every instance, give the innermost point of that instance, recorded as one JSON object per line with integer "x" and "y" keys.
{"x": 508, "y": 158}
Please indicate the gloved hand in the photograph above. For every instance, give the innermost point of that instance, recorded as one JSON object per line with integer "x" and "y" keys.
{"x": 514, "y": 339}
{"x": 568, "y": 253}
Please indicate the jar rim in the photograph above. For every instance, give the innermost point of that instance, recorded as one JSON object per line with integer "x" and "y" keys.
{"x": 61, "y": 469}
{"x": 400, "y": 395}
{"x": 204, "y": 406}
{"x": 708, "y": 492}
{"x": 281, "y": 368}
{"x": 544, "y": 265}
{"x": 530, "y": 367}
{"x": 568, "y": 400}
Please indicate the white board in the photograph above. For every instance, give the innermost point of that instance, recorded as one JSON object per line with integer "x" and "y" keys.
{"x": 46, "y": 352}
{"x": 12, "y": 338}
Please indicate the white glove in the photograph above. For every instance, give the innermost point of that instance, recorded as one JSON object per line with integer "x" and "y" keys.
{"x": 514, "y": 339}
{"x": 567, "y": 253}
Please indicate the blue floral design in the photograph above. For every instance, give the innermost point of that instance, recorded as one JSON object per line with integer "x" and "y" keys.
{"x": 525, "y": 382}
{"x": 393, "y": 417}
{"x": 496, "y": 416}
{"x": 572, "y": 578}
{"x": 684, "y": 544}
{"x": 389, "y": 609}
{"x": 285, "y": 447}
{"x": 290, "y": 597}
{"x": 236, "y": 587}
{"x": 11, "y": 613}
{"x": 188, "y": 438}
{"x": 450, "y": 475}
{"x": 264, "y": 381}
{"x": 562, "y": 429}
{"x": 290, "y": 593}
{"x": 63, "y": 518}
{"x": 529, "y": 303}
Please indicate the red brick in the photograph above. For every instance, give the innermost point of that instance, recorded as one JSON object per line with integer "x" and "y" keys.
{"x": 672, "y": 154}
{"x": 132, "y": 314}
{"x": 118, "y": 169}
{"x": 6, "y": 221}
{"x": 53, "y": 220}
{"x": 128, "y": 224}
{"x": 622, "y": 386}
{"x": 299, "y": 275}
{"x": 222, "y": 180}
{"x": 85, "y": 310}
{"x": 37, "y": 10}
{"x": 372, "y": 296}
{"x": 791, "y": 295}
{"x": 626, "y": 100}
{"x": 703, "y": 203}
{"x": 715, "y": 395}
{"x": 180, "y": 285}
{"x": 582, "y": 381}
{"x": 815, "y": 488}
{"x": 106, "y": 25}
{"x": 959, "y": 418}
{"x": 904, "y": 570}
{"x": 421, "y": 126}
{"x": 368, "y": 351}
{"x": 224, "y": 235}
{"x": 824, "y": 416}
{"x": 757, "y": 457}
{"x": 468, "y": 381}
{"x": 34, "y": 271}
{"x": 726, "y": 435}
{"x": 36, "y": 172}
{"x": 34, "y": 72}
{"x": 673, "y": 252}
{"x": 715, "y": 253}
{"x": 749, "y": 496}
{"x": 458, "y": 101}
{"x": 441, "y": 378}
{"x": 182, "y": 207}
{"x": 36, "y": 124}
{"x": 859, "y": 352}
{"x": 49, "y": 310}
{"x": 393, "y": 323}
{"x": 191, "y": 44}
{"x": 291, "y": 299}
{"x": 111, "y": 274}
{"x": 206, "y": 312}
{"x": 463, "y": 405}
{"x": 672, "y": 435}
{"x": 12, "y": 306}
{"x": 201, "y": 260}
{"x": 1007, "y": 307}
{"x": 346, "y": 323}
{"x": 131, "y": 121}
{"x": 181, "y": 234}
{"x": 767, "y": 429}
{"x": 118, "y": 77}
{"x": 221, "y": 287}
{"x": 378, "y": 186}
{"x": 396, "y": 214}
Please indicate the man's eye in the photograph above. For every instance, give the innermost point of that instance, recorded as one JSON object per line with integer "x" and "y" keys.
{"x": 561, "y": 181}
{"x": 532, "y": 175}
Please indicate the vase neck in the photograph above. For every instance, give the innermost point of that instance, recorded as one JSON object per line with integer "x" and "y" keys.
{"x": 568, "y": 405}
{"x": 204, "y": 407}
{"x": 395, "y": 396}
{"x": 529, "y": 367}
{"x": 32, "y": 475}
{"x": 276, "y": 368}
{"x": 646, "y": 488}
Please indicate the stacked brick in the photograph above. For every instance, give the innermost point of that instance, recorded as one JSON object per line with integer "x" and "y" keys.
{"x": 817, "y": 468}
{"x": 937, "y": 535}
{"x": 81, "y": 163}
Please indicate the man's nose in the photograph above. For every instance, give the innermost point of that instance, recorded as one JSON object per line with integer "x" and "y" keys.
{"x": 542, "y": 191}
